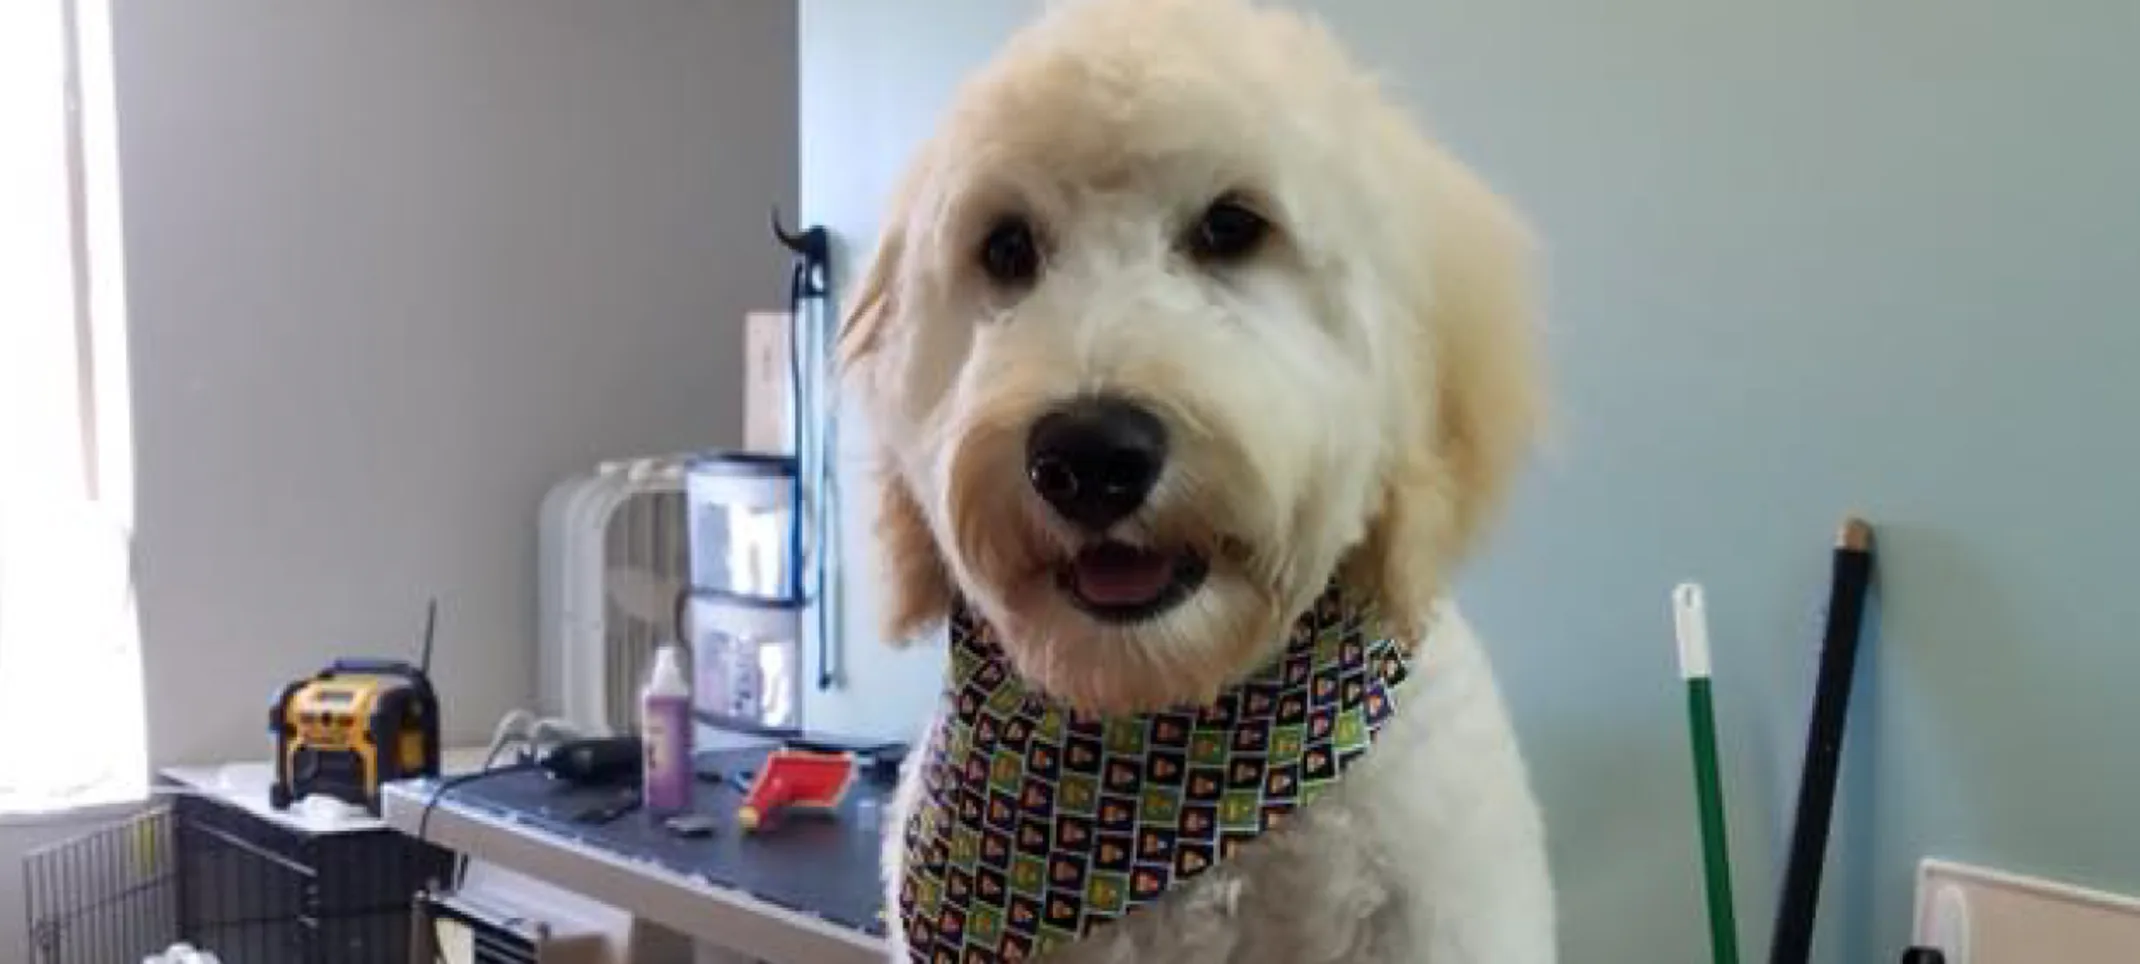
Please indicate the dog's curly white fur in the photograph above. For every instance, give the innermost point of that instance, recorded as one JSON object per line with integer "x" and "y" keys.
{"x": 1348, "y": 397}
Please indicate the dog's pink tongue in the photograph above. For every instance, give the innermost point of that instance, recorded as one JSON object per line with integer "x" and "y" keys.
{"x": 1118, "y": 575}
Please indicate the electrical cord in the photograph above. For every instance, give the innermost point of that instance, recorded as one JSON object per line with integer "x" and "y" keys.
{"x": 512, "y": 726}
{"x": 517, "y": 727}
{"x": 460, "y": 860}
{"x": 449, "y": 784}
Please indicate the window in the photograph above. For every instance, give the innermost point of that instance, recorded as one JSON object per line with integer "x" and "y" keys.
{"x": 71, "y": 710}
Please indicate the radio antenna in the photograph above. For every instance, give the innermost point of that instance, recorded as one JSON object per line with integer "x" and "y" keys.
{"x": 430, "y": 633}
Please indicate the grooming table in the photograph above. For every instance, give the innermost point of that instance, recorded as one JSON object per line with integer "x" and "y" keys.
{"x": 805, "y": 890}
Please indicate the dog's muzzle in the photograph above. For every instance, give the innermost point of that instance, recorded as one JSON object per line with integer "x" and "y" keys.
{"x": 1095, "y": 462}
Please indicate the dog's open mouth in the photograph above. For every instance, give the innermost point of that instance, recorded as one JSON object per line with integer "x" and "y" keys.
{"x": 1119, "y": 582}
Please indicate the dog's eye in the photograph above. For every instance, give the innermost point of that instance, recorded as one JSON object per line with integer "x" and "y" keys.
{"x": 1228, "y": 231}
{"x": 1009, "y": 254}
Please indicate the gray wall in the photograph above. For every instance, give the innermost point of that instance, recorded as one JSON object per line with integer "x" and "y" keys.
{"x": 397, "y": 267}
{"x": 1806, "y": 258}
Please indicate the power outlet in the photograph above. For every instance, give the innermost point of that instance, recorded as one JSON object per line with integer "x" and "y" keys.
{"x": 1975, "y": 915}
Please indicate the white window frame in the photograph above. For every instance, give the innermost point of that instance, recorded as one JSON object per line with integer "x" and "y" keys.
{"x": 72, "y": 708}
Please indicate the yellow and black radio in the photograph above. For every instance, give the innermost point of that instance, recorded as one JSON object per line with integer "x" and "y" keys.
{"x": 350, "y": 728}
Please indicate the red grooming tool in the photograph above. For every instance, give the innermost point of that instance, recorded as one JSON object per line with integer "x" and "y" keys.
{"x": 796, "y": 779}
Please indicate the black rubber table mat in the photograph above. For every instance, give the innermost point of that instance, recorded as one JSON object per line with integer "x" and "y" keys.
{"x": 819, "y": 865}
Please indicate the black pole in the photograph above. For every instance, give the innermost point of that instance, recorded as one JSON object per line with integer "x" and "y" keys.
{"x": 1852, "y": 571}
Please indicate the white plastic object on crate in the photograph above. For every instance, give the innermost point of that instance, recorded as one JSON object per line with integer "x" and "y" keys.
{"x": 182, "y": 953}
{"x": 331, "y": 813}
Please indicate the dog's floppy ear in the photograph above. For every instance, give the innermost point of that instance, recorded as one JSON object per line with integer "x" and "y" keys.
{"x": 875, "y": 301}
{"x": 1473, "y": 350}
{"x": 916, "y": 582}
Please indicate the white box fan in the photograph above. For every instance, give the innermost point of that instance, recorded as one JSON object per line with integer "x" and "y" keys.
{"x": 614, "y": 553}
{"x": 632, "y": 547}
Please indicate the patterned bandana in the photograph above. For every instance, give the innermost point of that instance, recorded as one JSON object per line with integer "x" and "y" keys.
{"x": 1039, "y": 825}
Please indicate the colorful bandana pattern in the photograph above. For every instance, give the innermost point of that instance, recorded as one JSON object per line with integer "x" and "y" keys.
{"x": 1038, "y": 825}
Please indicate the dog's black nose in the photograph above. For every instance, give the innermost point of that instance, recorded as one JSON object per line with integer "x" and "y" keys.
{"x": 1096, "y": 459}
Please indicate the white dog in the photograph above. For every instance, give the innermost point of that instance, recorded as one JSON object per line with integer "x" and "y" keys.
{"x": 1195, "y": 368}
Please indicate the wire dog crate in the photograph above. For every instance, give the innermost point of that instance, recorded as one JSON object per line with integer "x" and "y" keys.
{"x": 226, "y": 880}
{"x": 104, "y": 897}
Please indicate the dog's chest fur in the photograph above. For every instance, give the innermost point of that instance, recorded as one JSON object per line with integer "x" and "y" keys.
{"x": 1036, "y": 827}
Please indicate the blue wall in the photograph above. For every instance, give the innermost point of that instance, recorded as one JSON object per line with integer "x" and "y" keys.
{"x": 1807, "y": 258}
